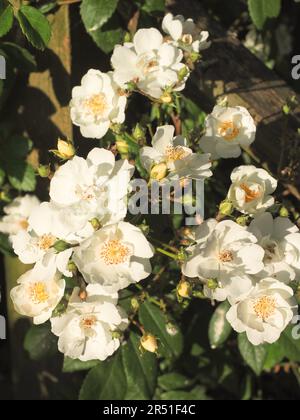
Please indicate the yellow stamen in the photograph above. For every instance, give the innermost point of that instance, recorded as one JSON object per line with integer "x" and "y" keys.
{"x": 265, "y": 307}
{"x": 250, "y": 195}
{"x": 228, "y": 130}
{"x": 97, "y": 104}
{"x": 38, "y": 293}
{"x": 114, "y": 252}
{"x": 46, "y": 241}
{"x": 174, "y": 153}
{"x": 226, "y": 256}
{"x": 23, "y": 224}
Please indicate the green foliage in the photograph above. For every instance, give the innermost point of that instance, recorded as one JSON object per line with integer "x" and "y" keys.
{"x": 127, "y": 375}
{"x": 254, "y": 356}
{"x": 71, "y": 365}
{"x": 19, "y": 57}
{"x": 21, "y": 174}
{"x": 6, "y": 17}
{"x": 5, "y": 246}
{"x": 39, "y": 342}
{"x": 261, "y": 10}
{"x": 35, "y": 26}
{"x": 95, "y": 15}
{"x": 152, "y": 6}
{"x": 155, "y": 322}
{"x": 219, "y": 328}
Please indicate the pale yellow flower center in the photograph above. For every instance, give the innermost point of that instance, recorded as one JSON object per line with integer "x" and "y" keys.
{"x": 96, "y": 104}
{"x": 226, "y": 256}
{"x": 23, "y": 224}
{"x": 114, "y": 252}
{"x": 250, "y": 195}
{"x": 228, "y": 130}
{"x": 264, "y": 307}
{"x": 46, "y": 241}
{"x": 174, "y": 153}
{"x": 38, "y": 293}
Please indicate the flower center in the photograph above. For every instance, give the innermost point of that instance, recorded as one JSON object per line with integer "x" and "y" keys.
{"x": 228, "y": 130}
{"x": 96, "y": 104}
{"x": 226, "y": 256}
{"x": 24, "y": 224}
{"x": 88, "y": 322}
{"x": 38, "y": 293}
{"x": 114, "y": 252}
{"x": 148, "y": 64}
{"x": 187, "y": 39}
{"x": 264, "y": 307}
{"x": 250, "y": 194}
{"x": 46, "y": 241}
{"x": 174, "y": 153}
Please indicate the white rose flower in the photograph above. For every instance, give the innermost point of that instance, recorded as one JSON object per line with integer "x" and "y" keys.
{"x": 251, "y": 189}
{"x": 227, "y": 255}
{"x": 179, "y": 160}
{"x": 17, "y": 214}
{"x": 36, "y": 244}
{"x": 227, "y": 131}
{"x": 115, "y": 256}
{"x": 185, "y": 33}
{"x": 280, "y": 239}
{"x": 265, "y": 312}
{"x": 96, "y": 104}
{"x": 86, "y": 329}
{"x": 151, "y": 63}
{"x": 95, "y": 187}
{"x": 38, "y": 293}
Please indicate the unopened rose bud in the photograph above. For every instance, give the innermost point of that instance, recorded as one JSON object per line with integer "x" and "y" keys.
{"x": 44, "y": 171}
{"x": 226, "y": 208}
{"x": 195, "y": 57}
{"x": 184, "y": 289}
{"x": 61, "y": 246}
{"x": 122, "y": 147}
{"x": 72, "y": 267}
{"x": 83, "y": 295}
{"x": 96, "y": 224}
{"x": 183, "y": 73}
{"x": 242, "y": 220}
{"x": 159, "y": 171}
{"x": 135, "y": 304}
{"x": 283, "y": 212}
{"x": 116, "y": 335}
{"x": 4, "y": 196}
{"x": 138, "y": 133}
{"x": 149, "y": 343}
{"x": 212, "y": 284}
{"x": 166, "y": 98}
{"x": 172, "y": 329}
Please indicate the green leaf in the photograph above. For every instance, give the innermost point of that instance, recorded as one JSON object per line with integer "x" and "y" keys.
{"x": 219, "y": 328}
{"x": 5, "y": 245}
{"x": 71, "y": 365}
{"x": 152, "y": 6}
{"x": 290, "y": 345}
{"x": 6, "y": 17}
{"x": 35, "y": 26}
{"x": 261, "y": 10}
{"x": 254, "y": 356}
{"x": 197, "y": 394}
{"x": 127, "y": 375}
{"x": 173, "y": 381}
{"x": 140, "y": 370}
{"x": 2, "y": 176}
{"x": 21, "y": 175}
{"x": 95, "y": 13}
{"x": 17, "y": 147}
{"x": 21, "y": 57}
{"x": 40, "y": 342}
{"x": 106, "y": 40}
{"x": 155, "y": 322}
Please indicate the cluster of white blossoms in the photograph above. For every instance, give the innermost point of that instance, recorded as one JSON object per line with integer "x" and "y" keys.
{"x": 151, "y": 64}
{"x": 81, "y": 228}
{"x": 250, "y": 266}
{"x": 81, "y": 232}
